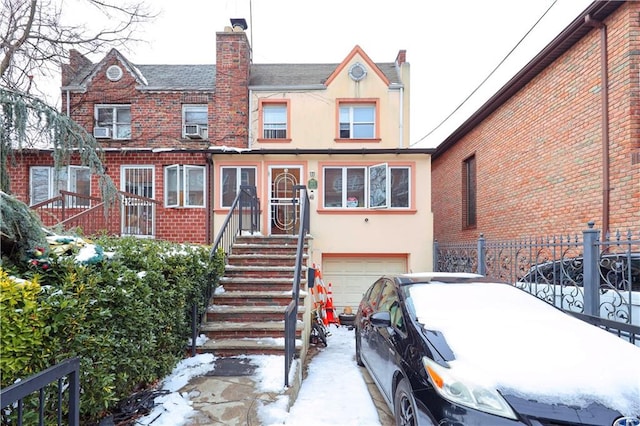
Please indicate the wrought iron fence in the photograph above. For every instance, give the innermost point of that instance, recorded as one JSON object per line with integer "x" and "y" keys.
{"x": 588, "y": 273}
{"x": 67, "y": 376}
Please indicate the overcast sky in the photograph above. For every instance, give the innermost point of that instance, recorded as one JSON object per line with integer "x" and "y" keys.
{"x": 452, "y": 46}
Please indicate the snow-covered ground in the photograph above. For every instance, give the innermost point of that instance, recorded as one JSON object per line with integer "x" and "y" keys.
{"x": 350, "y": 405}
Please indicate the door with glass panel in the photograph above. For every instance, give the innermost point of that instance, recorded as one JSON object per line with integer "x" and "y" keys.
{"x": 138, "y": 209}
{"x": 284, "y": 204}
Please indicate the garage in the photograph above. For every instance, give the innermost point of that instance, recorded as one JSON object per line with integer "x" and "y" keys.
{"x": 351, "y": 276}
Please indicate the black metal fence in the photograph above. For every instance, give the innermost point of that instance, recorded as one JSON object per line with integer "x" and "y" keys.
{"x": 67, "y": 376}
{"x": 590, "y": 274}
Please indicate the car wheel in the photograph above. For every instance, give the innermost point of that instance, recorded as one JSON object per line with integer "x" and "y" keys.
{"x": 404, "y": 405}
{"x": 358, "y": 344}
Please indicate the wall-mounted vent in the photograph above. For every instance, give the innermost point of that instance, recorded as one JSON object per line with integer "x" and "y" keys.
{"x": 101, "y": 132}
{"x": 635, "y": 157}
{"x": 357, "y": 72}
{"x": 114, "y": 73}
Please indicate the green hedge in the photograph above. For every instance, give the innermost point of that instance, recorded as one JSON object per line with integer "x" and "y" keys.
{"x": 128, "y": 316}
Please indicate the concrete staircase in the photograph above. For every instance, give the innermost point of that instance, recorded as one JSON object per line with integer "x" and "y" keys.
{"x": 248, "y": 316}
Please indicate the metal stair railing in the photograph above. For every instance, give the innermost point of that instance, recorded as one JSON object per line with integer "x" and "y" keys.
{"x": 243, "y": 216}
{"x": 291, "y": 312}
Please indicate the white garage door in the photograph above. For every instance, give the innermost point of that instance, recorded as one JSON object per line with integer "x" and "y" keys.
{"x": 350, "y": 277}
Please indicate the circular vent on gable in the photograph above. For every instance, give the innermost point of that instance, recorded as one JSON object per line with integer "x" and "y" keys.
{"x": 357, "y": 71}
{"x": 114, "y": 73}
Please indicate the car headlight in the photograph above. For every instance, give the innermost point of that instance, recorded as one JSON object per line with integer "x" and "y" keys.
{"x": 464, "y": 392}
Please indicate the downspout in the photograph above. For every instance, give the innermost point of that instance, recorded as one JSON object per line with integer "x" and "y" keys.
{"x": 604, "y": 97}
{"x": 249, "y": 141}
{"x": 401, "y": 139}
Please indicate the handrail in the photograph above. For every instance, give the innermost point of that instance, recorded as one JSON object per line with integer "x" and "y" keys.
{"x": 15, "y": 393}
{"x": 291, "y": 312}
{"x": 246, "y": 206}
{"x": 234, "y": 224}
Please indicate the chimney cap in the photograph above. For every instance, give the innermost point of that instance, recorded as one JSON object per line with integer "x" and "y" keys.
{"x": 239, "y": 22}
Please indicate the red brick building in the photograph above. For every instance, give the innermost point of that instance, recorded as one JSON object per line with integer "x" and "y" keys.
{"x": 557, "y": 146}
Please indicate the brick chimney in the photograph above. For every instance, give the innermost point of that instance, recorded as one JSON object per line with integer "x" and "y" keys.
{"x": 231, "y": 97}
{"x": 77, "y": 61}
{"x": 401, "y": 58}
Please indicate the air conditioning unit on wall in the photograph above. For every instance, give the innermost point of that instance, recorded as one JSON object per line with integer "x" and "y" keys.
{"x": 101, "y": 132}
{"x": 193, "y": 131}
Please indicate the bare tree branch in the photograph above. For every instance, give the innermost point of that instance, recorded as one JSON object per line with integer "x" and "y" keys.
{"x": 37, "y": 35}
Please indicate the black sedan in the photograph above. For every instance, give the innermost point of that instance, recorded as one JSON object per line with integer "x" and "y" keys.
{"x": 457, "y": 349}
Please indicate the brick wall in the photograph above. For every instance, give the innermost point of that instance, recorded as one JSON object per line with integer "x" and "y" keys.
{"x": 539, "y": 156}
{"x": 172, "y": 224}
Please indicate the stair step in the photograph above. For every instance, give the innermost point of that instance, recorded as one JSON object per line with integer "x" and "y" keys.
{"x": 229, "y": 330}
{"x": 251, "y": 346}
{"x": 255, "y": 298}
{"x": 253, "y": 259}
{"x": 248, "y": 313}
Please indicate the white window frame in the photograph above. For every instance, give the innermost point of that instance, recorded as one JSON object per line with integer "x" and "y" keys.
{"x": 349, "y": 122}
{"x": 239, "y": 179}
{"x": 377, "y": 177}
{"x": 65, "y": 178}
{"x": 119, "y": 129}
{"x": 182, "y": 188}
{"x": 203, "y": 124}
{"x": 274, "y": 127}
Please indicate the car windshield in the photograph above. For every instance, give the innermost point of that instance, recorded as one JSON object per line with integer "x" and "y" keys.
{"x": 503, "y": 337}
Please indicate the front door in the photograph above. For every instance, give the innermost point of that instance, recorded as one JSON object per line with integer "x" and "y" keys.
{"x": 284, "y": 205}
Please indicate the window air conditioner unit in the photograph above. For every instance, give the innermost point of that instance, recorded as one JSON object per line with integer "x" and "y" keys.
{"x": 101, "y": 132}
{"x": 193, "y": 131}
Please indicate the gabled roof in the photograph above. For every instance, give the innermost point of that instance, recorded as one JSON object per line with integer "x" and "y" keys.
{"x": 599, "y": 10}
{"x": 306, "y": 75}
{"x": 203, "y": 77}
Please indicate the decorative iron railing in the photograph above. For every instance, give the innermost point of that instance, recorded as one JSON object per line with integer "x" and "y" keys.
{"x": 67, "y": 376}
{"x": 589, "y": 274}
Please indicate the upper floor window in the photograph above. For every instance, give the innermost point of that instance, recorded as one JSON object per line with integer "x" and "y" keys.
{"x": 274, "y": 119}
{"x": 469, "y": 192}
{"x": 232, "y": 178}
{"x": 46, "y": 182}
{"x": 184, "y": 186}
{"x": 112, "y": 121}
{"x": 379, "y": 186}
{"x": 357, "y": 121}
{"x": 195, "y": 121}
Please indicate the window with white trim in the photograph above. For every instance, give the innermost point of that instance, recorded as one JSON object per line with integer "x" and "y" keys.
{"x": 274, "y": 121}
{"x": 113, "y": 121}
{"x": 357, "y": 121}
{"x": 195, "y": 121}
{"x": 46, "y": 182}
{"x": 378, "y": 186}
{"x": 184, "y": 186}
{"x": 232, "y": 178}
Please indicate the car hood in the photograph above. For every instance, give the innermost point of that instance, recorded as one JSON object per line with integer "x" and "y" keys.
{"x": 594, "y": 414}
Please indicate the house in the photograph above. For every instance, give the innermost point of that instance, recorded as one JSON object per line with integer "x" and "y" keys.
{"x": 179, "y": 140}
{"x": 557, "y": 146}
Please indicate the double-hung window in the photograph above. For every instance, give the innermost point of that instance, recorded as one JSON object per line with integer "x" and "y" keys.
{"x": 274, "y": 119}
{"x": 378, "y": 186}
{"x": 112, "y": 121}
{"x": 357, "y": 121}
{"x": 232, "y": 178}
{"x": 195, "y": 121}
{"x": 184, "y": 186}
{"x": 46, "y": 182}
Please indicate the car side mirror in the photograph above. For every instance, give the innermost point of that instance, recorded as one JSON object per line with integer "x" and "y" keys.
{"x": 381, "y": 319}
